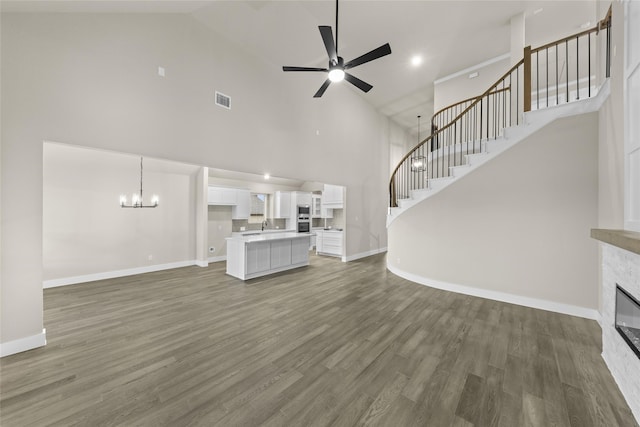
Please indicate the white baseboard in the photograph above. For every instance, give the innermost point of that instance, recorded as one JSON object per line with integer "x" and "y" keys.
{"x": 553, "y": 306}
{"x": 23, "y": 344}
{"x": 201, "y": 263}
{"x": 113, "y": 274}
{"x": 363, "y": 254}
{"x": 218, "y": 258}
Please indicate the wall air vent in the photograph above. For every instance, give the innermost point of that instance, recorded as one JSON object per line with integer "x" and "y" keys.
{"x": 223, "y": 100}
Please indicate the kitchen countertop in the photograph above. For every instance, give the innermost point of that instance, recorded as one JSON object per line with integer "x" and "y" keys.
{"x": 270, "y": 236}
{"x": 267, "y": 231}
{"x": 625, "y": 239}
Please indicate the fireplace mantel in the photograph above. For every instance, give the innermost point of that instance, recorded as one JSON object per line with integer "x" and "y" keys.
{"x": 624, "y": 239}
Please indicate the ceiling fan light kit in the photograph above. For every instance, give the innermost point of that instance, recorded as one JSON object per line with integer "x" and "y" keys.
{"x": 337, "y": 67}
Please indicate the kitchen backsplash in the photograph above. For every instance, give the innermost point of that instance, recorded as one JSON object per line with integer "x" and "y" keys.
{"x": 336, "y": 222}
{"x": 237, "y": 224}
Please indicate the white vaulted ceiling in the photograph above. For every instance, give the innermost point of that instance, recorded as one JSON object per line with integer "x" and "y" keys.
{"x": 449, "y": 35}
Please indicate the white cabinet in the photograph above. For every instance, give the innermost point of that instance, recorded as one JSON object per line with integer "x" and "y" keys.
{"x": 242, "y": 208}
{"x": 329, "y": 242}
{"x": 326, "y": 212}
{"x": 282, "y": 204}
{"x": 332, "y": 196}
{"x": 222, "y": 196}
{"x": 302, "y": 198}
{"x": 280, "y": 253}
{"x": 258, "y": 257}
{"x": 300, "y": 251}
{"x": 317, "y": 208}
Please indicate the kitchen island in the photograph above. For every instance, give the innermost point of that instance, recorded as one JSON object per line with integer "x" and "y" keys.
{"x": 258, "y": 254}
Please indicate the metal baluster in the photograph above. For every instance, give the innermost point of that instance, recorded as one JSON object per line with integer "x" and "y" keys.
{"x": 480, "y": 134}
{"x": 517, "y": 96}
{"x": 589, "y": 64}
{"x": 488, "y": 111}
{"x": 557, "y": 99}
{"x": 608, "y": 66}
{"x": 566, "y": 45}
{"x": 537, "y": 81}
{"x": 546, "y": 51}
{"x": 577, "y": 70}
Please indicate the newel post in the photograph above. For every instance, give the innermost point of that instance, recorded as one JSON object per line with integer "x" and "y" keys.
{"x": 527, "y": 79}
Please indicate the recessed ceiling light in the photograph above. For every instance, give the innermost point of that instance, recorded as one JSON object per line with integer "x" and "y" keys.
{"x": 267, "y": 176}
{"x": 416, "y": 60}
{"x": 473, "y": 75}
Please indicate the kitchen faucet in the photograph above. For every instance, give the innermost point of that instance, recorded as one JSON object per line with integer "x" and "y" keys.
{"x": 264, "y": 224}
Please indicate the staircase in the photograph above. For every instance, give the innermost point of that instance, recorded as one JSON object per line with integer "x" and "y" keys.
{"x": 559, "y": 79}
{"x": 488, "y": 150}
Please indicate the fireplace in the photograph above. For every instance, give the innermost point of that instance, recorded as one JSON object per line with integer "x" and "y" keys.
{"x": 627, "y": 320}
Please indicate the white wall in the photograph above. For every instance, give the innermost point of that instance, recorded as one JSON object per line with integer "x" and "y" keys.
{"x": 85, "y": 231}
{"x": 92, "y": 80}
{"x": 518, "y": 225}
{"x": 400, "y": 143}
{"x": 448, "y": 91}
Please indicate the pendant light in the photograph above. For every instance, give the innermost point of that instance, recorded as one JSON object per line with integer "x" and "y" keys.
{"x": 418, "y": 162}
{"x": 136, "y": 198}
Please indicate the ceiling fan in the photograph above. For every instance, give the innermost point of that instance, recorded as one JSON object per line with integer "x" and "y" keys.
{"x": 337, "y": 68}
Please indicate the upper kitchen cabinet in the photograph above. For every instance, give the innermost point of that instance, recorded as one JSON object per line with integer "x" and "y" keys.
{"x": 316, "y": 206}
{"x": 302, "y": 198}
{"x": 332, "y": 196}
{"x": 318, "y": 210}
{"x": 282, "y": 204}
{"x": 242, "y": 208}
{"x": 222, "y": 196}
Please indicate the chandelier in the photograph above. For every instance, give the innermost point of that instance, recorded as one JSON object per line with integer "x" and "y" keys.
{"x": 136, "y": 198}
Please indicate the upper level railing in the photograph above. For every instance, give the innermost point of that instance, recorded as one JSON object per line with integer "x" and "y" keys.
{"x": 559, "y": 72}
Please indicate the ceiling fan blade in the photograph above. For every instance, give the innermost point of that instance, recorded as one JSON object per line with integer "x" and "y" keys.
{"x": 383, "y": 50}
{"x": 324, "y": 87}
{"x": 363, "y": 86}
{"x": 287, "y": 68}
{"x": 329, "y": 44}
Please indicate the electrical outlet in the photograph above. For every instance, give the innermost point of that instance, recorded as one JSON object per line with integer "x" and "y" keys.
{"x": 212, "y": 249}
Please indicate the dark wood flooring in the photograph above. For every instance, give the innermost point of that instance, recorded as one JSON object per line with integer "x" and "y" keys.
{"x": 331, "y": 344}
